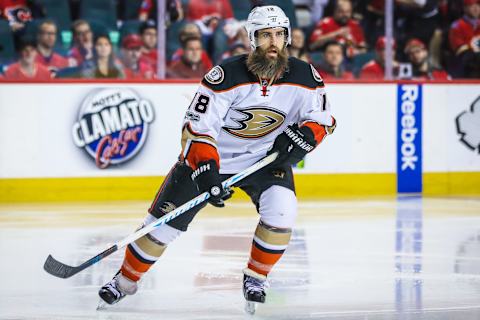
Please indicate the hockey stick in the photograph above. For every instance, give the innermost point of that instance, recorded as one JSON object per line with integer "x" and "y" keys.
{"x": 61, "y": 270}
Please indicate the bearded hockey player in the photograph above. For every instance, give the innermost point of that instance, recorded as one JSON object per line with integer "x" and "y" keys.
{"x": 247, "y": 107}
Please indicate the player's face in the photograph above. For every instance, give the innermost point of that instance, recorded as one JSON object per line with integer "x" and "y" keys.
{"x": 334, "y": 55}
{"x": 149, "y": 38}
{"x": 193, "y": 51}
{"x": 271, "y": 41}
{"x": 103, "y": 48}
{"x": 47, "y": 35}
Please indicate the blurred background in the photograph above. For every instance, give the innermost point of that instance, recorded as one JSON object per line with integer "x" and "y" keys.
{"x": 182, "y": 39}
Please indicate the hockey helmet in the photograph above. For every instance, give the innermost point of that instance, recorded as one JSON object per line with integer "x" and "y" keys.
{"x": 266, "y": 17}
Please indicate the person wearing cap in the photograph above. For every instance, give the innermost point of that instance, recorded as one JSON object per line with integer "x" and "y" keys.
{"x": 134, "y": 68}
{"x": 190, "y": 66}
{"x": 332, "y": 67}
{"x": 26, "y": 68}
{"x": 464, "y": 39}
{"x": 422, "y": 69}
{"x": 148, "y": 34}
{"x": 375, "y": 68}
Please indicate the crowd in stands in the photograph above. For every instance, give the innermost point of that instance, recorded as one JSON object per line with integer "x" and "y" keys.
{"x": 343, "y": 39}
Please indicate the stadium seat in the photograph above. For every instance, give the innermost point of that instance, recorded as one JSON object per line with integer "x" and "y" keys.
{"x": 241, "y": 9}
{"x": 104, "y": 10}
{"x": 360, "y": 60}
{"x": 58, "y": 11}
{"x": 7, "y": 48}
{"x": 130, "y": 9}
{"x": 172, "y": 37}
{"x": 129, "y": 27}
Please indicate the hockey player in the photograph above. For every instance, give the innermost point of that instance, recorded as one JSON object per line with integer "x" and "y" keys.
{"x": 245, "y": 108}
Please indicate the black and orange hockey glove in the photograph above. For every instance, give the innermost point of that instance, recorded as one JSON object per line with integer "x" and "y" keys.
{"x": 293, "y": 144}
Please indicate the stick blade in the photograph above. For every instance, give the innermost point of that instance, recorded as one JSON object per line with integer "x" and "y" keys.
{"x": 58, "y": 269}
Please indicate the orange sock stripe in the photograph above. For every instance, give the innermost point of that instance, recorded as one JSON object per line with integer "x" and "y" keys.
{"x": 262, "y": 261}
{"x": 132, "y": 267}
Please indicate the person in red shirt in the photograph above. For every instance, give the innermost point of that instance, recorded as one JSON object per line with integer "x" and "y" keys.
{"x": 375, "y": 69}
{"x": 148, "y": 33}
{"x": 422, "y": 69}
{"x": 332, "y": 67}
{"x": 27, "y": 68}
{"x": 190, "y": 66}
{"x": 208, "y": 13}
{"x": 174, "y": 11}
{"x": 46, "y": 38}
{"x": 188, "y": 31}
{"x": 464, "y": 38}
{"x": 342, "y": 28}
{"x": 134, "y": 68}
{"x": 82, "y": 49}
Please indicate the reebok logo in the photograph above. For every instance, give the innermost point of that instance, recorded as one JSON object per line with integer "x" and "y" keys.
{"x": 409, "y": 129}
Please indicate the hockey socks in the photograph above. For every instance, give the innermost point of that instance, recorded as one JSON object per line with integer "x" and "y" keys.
{"x": 140, "y": 256}
{"x": 269, "y": 244}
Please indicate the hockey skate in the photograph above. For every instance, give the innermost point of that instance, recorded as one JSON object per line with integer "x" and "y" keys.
{"x": 254, "y": 286}
{"x": 115, "y": 290}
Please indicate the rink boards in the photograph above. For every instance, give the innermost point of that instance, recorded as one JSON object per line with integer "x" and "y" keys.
{"x": 101, "y": 141}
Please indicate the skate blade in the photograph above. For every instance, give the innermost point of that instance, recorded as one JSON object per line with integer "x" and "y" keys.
{"x": 250, "y": 307}
{"x": 102, "y": 305}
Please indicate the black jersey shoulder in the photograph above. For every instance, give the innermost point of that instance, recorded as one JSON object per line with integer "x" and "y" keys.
{"x": 301, "y": 73}
{"x": 228, "y": 74}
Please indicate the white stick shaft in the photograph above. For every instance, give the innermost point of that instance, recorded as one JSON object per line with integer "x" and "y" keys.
{"x": 196, "y": 201}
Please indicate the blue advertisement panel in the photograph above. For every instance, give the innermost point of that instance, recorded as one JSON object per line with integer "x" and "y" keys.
{"x": 409, "y": 138}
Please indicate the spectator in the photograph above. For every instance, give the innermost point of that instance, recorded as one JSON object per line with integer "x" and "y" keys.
{"x": 17, "y": 13}
{"x": 174, "y": 11}
{"x": 332, "y": 66}
{"x": 190, "y": 66}
{"x": 27, "y": 68}
{"x": 82, "y": 49}
{"x": 417, "y": 19}
{"x": 297, "y": 48}
{"x": 103, "y": 64}
{"x": 135, "y": 68}
{"x": 208, "y": 13}
{"x": 464, "y": 38}
{"x": 235, "y": 49}
{"x": 421, "y": 67}
{"x": 342, "y": 28}
{"x": 148, "y": 32}
{"x": 46, "y": 38}
{"x": 188, "y": 31}
{"x": 375, "y": 69}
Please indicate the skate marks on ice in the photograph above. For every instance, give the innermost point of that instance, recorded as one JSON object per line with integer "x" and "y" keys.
{"x": 389, "y": 259}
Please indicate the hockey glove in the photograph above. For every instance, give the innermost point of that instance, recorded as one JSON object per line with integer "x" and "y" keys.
{"x": 207, "y": 178}
{"x": 293, "y": 144}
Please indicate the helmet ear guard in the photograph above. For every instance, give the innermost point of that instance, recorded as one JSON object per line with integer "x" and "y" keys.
{"x": 266, "y": 17}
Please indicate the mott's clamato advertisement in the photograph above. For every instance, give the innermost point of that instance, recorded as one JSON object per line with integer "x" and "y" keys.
{"x": 112, "y": 125}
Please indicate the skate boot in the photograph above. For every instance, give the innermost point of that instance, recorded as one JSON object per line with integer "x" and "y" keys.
{"x": 115, "y": 290}
{"x": 254, "y": 285}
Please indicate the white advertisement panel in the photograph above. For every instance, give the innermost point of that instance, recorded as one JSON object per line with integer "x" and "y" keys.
{"x": 92, "y": 130}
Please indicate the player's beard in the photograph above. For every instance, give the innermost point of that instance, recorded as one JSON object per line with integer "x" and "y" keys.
{"x": 258, "y": 63}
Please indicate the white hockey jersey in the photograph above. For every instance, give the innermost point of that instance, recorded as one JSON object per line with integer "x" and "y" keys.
{"x": 241, "y": 117}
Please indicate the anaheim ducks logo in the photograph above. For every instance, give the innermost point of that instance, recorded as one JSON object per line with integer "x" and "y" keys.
{"x": 257, "y": 122}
